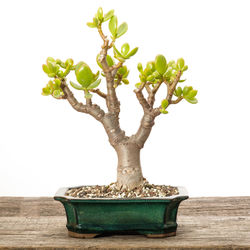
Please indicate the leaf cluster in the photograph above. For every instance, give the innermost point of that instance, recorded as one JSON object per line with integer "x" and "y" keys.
{"x": 99, "y": 18}
{"x": 121, "y": 55}
{"x": 164, "y": 105}
{"x": 124, "y": 53}
{"x": 153, "y": 75}
{"x": 58, "y": 70}
{"x": 188, "y": 93}
{"x": 86, "y": 78}
{"x": 53, "y": 68}
{"x": 115, "y": 30}
{"x": 160, "y": 70}
{"x": 122, "y": 73}
{"x": 53, "y": 88}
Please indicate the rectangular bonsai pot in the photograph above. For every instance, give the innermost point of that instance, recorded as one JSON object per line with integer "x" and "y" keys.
{"x": 153, "y": 217}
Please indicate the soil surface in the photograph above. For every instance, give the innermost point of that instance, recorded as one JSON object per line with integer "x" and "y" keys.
{"x": 110, "y": 191}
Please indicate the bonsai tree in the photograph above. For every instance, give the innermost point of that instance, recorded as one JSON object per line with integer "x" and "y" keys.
{"x": 112, "y": 63}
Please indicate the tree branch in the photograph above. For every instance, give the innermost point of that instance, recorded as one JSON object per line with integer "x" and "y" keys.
{"x": 115, "y": 68}
{"x": 151, "y": 97}
{"x": 141, "y": 98}
{"x": 99, "y": 92}
{"x": 147, "y": 87}
{"x": 171, "y": 89}
{"x": 144, "y": 130}
{"x": 147, "y": 121}
{"x": 104, "y": 38}
{"x": 88, "y": 102}
{"x": 176, "y": 101}
{"x": 93, "y": 110}
{"x": 118, "y": 81}
{"x": 113, "y": 104}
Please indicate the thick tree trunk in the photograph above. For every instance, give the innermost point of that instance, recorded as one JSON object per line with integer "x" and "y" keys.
{"x": 129, "y": 173}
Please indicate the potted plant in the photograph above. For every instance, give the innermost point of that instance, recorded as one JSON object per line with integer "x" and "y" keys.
{"x": 131, "y": 204}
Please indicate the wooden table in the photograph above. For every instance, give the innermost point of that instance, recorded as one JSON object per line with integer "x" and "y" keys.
{"x": 204, "y": 223}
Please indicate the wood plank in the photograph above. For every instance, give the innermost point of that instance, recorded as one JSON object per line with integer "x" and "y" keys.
{"x": 204, "y": 223}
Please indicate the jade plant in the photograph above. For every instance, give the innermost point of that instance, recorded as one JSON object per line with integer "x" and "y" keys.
{"x": 114, "y": 74}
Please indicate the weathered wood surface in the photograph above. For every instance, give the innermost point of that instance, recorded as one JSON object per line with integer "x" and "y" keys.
{"x": 204, "y": 223}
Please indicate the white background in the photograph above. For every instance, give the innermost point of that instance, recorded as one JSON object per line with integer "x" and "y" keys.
{"x": 45, "y": 144}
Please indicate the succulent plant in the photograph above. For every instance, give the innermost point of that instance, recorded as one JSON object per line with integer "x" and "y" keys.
{"x": 152, "y": 76}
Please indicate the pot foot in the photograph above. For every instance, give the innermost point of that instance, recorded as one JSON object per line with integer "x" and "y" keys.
{"x": 160, "y": 235}
{"x": 85, "y": 236}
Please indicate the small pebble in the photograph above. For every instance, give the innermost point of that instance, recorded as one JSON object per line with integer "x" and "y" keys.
{"x": 110, "y": 191}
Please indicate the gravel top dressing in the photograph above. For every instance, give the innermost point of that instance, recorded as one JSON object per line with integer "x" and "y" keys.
{"x": 110, "y": 191}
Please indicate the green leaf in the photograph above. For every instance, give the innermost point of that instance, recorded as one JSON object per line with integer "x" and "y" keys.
{"x": 178, "y": 91}
{"x": 58, "y": 61}
{"x": 117, "y": 52}
{"x": 76, "y": 86}
{"x": 92, "y": 25}
{"x": 60, "y": 73}
{"x": 126, "y": 74}
{"x": 164, "y": 103}
{"x": 57, "y": 93}
{"x": 193, "y": 100}
{"x": 50, "y": 60}
{"x": 191, "y": 94}
{"x": 132, "y": 52}
{"x": 57, "y": 83}
{"x": 123, "y": 70}
{"x": 170, "y": 63}
{"x": 52, "y": 66}
{"x": 108, "y": 15}
{"x": 142, "y": 78}
{"x": 156, "y": 74}
{"x": 51, "y": 75}
{"x": 182, "y": 80}
{"x": 98, "y": 62}
{"x": 174, "y": 66}
{"x": 95, "y": 21}
{"x": 46, "y": 91}
{"x": 50, "y": 85}
{"x": 150, "y": 78}
{"x": 137, "y": 85}
{"x": 125, "y": 49}
{"x": 139, "y": 67}
{"x": 113, "y": 26}
{"x": 125, "y": 80}
{"x": 185, "y": 68}
{"x": 110, "y": 61}
{"x": 161, "y": 64}
{"x": 84, "y": 75}
{"x": 94, "y": 84}
{"x": 122, "y": 29}
{"x": 62, "y": 64}
{"x": 168, "y": 73}
{"x": 186, "y": 90}
{"x": 180, "y": 63}
{"x": 69, "y": 62}
{"x": 100, "y": 13}
{"x": 163, "y": 111}
{"x": 46, "y": 69}
{"x": 150, "y": 67}
{"x": 78, "y": 65}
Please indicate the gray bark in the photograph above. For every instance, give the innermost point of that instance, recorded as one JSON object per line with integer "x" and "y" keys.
{"x": 129, "y": 173}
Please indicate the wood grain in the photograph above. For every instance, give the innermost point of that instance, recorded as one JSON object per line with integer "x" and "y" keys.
{"x": 204, "y": 223}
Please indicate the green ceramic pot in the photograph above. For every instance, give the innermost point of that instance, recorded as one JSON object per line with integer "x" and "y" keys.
{"x": 153, "y": 217}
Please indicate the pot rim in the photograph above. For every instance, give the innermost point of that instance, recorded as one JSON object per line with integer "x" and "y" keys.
{"x": 61, "y": 194}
